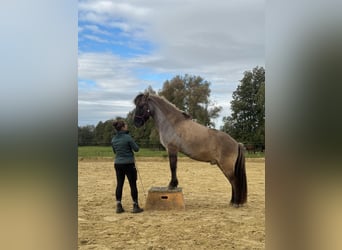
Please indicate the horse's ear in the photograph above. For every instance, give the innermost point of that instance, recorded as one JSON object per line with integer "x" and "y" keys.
{"x": 136, "y": 99}
{"x": 146, "y": 96}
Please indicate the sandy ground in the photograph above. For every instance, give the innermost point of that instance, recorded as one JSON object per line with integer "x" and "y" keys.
{"x": 208, "y": 222}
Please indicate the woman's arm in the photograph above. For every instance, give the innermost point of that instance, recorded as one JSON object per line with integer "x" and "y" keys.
{"x": 133, "y": 145}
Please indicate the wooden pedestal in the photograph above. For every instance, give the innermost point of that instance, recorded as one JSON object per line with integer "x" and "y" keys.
{"x": 162, "y": 198}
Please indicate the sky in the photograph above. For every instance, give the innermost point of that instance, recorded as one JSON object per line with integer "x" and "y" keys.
{"x": 126, "y": 46}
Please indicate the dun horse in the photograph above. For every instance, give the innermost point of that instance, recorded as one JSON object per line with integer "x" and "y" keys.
{"x": 179, "y": 133}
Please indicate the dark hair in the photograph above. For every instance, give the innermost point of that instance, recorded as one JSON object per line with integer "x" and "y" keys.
{"x": 118, "y": 125}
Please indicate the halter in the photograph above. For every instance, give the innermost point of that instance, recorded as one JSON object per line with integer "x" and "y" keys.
{"x": 144, "y": 116}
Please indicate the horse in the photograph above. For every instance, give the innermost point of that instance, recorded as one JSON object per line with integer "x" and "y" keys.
{"x": 179, "y": 133}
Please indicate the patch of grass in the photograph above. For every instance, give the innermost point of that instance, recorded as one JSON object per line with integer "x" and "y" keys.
{"x": 95, "y": 151}
{"x": 146, "y": 152}
{"x": 88, "y": 152}
{"x": 255, "y": 155}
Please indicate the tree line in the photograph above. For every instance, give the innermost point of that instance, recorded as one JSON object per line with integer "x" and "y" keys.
{"x": 192, "y": 94}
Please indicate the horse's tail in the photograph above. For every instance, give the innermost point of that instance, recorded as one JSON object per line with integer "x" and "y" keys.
{"x": 240, "y": 179}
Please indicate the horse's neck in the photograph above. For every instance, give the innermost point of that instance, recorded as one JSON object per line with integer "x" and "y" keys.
{"x": 164, "y": 124}
{"x": 159, "y": 118}
{"x": 165, "y": 116}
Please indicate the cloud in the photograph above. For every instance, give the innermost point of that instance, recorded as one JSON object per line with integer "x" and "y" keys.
{"x": 152, "y": 41}
{"x": 111, "y": 73}
{"x": 112, "y": 88}
{"x": 128, "y": 17}
{"x": 222, "y": 30}
{"x": 95, "y": 29}
{"x": 111, "y": 9}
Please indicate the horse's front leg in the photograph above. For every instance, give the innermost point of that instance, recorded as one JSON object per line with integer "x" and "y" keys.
{"x": 173, "y": 167}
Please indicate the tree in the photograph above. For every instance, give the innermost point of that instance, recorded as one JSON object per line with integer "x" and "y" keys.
{"x": 247, "y": 121}
{"x": 104, "y": 132}
{"x": 191, "y": 94}
{"x": 86, "y": 135}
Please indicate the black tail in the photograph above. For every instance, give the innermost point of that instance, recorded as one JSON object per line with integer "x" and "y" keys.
{"x": 239, "y": 194}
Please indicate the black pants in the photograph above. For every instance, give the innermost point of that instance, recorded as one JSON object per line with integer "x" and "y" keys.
{"x": 130, "y": 171}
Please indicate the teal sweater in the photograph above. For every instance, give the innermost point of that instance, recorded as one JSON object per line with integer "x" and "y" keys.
{"x": 123, "y": 146}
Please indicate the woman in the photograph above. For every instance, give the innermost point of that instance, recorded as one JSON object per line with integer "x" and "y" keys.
{"x": 123, "y": 146}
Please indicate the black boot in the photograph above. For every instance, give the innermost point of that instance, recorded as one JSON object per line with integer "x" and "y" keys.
{"x": 136, "y": 208}
{"x": 119, "y": 208}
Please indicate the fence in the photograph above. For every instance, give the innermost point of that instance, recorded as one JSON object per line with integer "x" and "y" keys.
{"x": 254, "y": 147}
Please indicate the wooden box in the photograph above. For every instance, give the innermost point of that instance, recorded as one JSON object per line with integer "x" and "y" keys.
{"x": 162, "y": 198}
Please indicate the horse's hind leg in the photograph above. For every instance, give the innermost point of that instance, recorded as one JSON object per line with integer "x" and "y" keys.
{"x": 227, "y": 168}
{"x": 173, "y": 167}
{"x": 235, "y": 171}
{"x": 234, "y": 201}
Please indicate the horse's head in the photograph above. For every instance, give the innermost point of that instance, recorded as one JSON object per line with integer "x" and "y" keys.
{"x": 142, "y": 110}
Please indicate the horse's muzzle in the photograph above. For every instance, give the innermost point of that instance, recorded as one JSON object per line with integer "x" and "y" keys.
{"x": 138, "y": 122}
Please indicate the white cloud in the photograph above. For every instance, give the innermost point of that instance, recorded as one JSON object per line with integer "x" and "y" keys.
{"x": 113, "y": 8}
{"x": 123, "y": 15}
{"x": 95, "y": 29}
{"x": 95, "y": 38}
{"x": 217, "y": 40}
{"x": 113, "y": 91}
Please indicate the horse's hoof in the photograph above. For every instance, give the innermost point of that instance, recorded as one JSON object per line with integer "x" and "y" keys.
{"x": 173, "y": 185}
{"x": 236, "y": 205}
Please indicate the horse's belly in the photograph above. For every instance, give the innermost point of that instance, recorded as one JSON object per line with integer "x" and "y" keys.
{"x": 192, "y": 143}
{"x": 200, "y": 155}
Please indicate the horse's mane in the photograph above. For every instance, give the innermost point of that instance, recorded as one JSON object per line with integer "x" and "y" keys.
{"x": 168, "y": 107}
